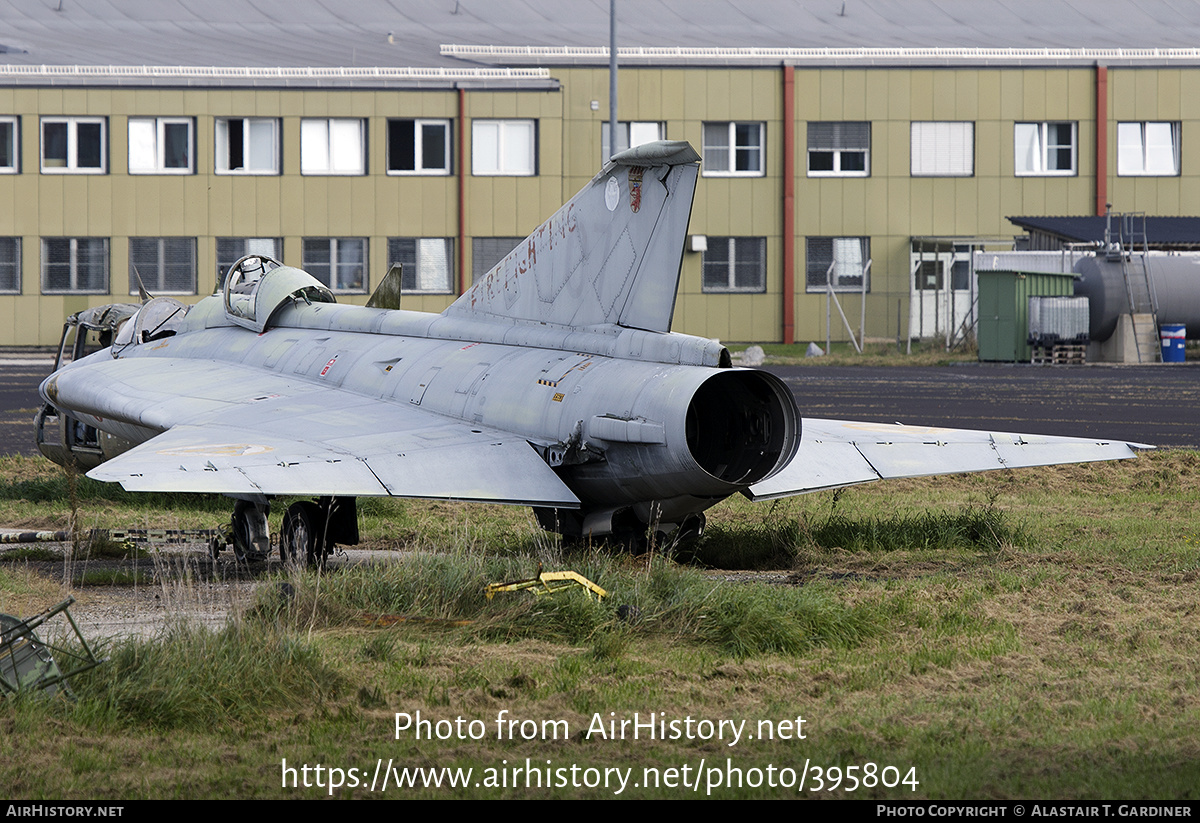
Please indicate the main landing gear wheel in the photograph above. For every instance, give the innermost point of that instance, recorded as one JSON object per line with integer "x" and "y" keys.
{"x": 301, "y": 540}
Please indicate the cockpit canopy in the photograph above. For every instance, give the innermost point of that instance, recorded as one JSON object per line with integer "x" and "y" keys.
{"x": 257, "y": 286}
{"x": 158, "y": 317}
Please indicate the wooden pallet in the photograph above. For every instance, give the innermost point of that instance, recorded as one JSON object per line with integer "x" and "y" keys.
{"x": 1062, "y": 354}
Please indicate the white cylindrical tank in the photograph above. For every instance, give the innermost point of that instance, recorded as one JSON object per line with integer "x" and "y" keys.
{"x": 1175, "y": 279}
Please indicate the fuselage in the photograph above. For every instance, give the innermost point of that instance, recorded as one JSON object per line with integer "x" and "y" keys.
{"x": 643, "y": 422}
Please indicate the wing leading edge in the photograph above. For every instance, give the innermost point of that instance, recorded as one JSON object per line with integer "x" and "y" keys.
{"x": 836, "y": 453}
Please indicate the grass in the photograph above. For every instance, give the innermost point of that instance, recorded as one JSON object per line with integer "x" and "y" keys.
{"x": 1023, "y": 634}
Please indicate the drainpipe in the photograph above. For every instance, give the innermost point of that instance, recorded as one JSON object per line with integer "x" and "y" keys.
{"x": 1101, "y": 138}
{"x": 789, "y": 204}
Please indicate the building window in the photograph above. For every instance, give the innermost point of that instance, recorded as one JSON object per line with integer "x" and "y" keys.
{"x": 160, "y": 145}
{"x": 338, "y": 262}
{"x": 73, "y": 145}
{"x": 943, "y": 149}
{"x": 839, "y": 149}
{"x": 10, "y": 265}
{"x": 332, "y": 147}
{"x": 733, "y": 149}
{"x": 504, "y": 147}
{"x": 735, "y": 264}
{"x": 630, "y": 135}
{"x": 427, "y": 261}
{"x": 166, "y": 265}
{"x": 840, "y": 262}
{"x": 232, "y": 249}
{"x": 75, "y": 265}
{"x": 247, "y": 145}
{"x": 1149, "y": 149}
{"x": 1044, "y": 148}
{"x": 10, "y": 145}
{"x": 418, "y": 146}
{"x": 486, "y": 252}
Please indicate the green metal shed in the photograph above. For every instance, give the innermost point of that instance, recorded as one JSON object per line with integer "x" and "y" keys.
{"x": 1004, "y": 309}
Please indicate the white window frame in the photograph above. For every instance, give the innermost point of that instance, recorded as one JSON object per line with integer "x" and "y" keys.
{"x": 250, "y": 165}
{"x": 1041, "y": 149}
{"x": 943, "y": 148}
{"x": 72, "y": 163}
{"x": 712, "y": 131}
{"x": 732, "y": 267}
{"x": 639, "y": 131}
{"x": 1141, "y": 150}
{"x": 333, "y": 146}
{"x": 14, "y": 146}
{"x": 73, "y": 253}
{"x": 840, "y": 153}
{"x": 851, "y": 259}
{"x": 422, "y": 165}
{"x": 155, "y": 279}
{"x": 426, "y": 277}
{"x": 511, "y": 151}
{"x": 12, "y": 265}
{"x": 335, "y": 246}
{"x": 159, "y": 145}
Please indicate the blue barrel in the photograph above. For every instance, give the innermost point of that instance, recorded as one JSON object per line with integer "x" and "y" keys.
{"x": 1173, "y": 335}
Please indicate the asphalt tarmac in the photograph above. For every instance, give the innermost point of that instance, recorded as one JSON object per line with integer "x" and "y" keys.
{"x": 1157, "y": 405}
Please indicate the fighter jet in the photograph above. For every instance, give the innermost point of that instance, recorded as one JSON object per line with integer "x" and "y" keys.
{"x": 554, "y": 382}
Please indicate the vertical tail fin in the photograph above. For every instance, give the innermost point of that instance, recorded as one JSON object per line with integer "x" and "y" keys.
{"x": 610, "y": 255}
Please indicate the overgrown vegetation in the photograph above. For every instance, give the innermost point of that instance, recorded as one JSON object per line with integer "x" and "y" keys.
{"x": 1005, "y": 635}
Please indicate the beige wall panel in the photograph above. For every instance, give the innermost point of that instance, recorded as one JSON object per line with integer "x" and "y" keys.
{"x": 944, "y": 207}
{"x": 175, "y": 219}
{"x": 1079, "y": 87}
{"x": 1170, "y": 87}
{"x": 921, "y": 95}
{"x": 22, "y": 218}
{"x": 890, "y": 151}
{"x": 717, "y": 103}
{"x": 1145, "y": 96}
{"x": 875, "y": 95}
{"x": 854, "y": 95}
{"x": 268, "y": 218}
{"x": 397, "y": 202}
{"x": 992, "y": 139}
{"x": 900, "y": 95}
{"x": 831, "y": 91}
{"x": 643, "y": 100}
{"x": 966, "y": 205}
{"x": 1034, "y": 103}
{"x": 339, "y": 219}
{"x": 920, "y": 207}
{"x": 27, "y": 329}
{"x": 832, "y": 197}
{"x": 98, "y": 204}
{"x": 1012, "y": 96}
{"x": 672, "y": 96}
{"x": 966, "y": 96}
{"x": 991, "y": 219}
{"x": 359, "y": 193}
{"x": 147, "y": 209}
{"x": 855, "y": 193}
{"x": 220, "y": 205}
{"x": 945, "y": 95}
{"x": 316, "y": 207}
{"x": 50, "y": 207}
{"x": 50, "y": 102}
{"x": 9, "y": 335}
